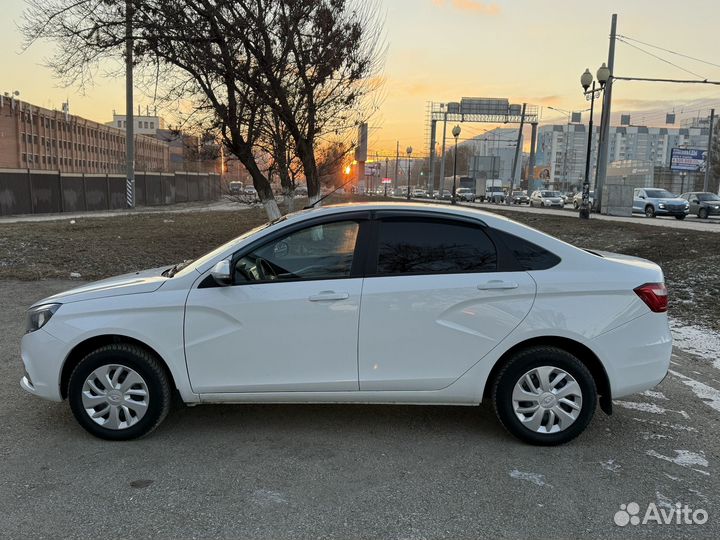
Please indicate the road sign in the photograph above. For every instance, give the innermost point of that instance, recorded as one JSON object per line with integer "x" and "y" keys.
{"x": 688, "y": 159}
{"x": 387, "y": 180}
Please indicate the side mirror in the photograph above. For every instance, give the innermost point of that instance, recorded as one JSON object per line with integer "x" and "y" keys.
{"x": 641, "y": 196}
{"x": 221, "y": 273}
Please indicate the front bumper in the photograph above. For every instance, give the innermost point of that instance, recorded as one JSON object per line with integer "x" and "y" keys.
{"x": 672, "y": 211}
{"x": 42, "y": 357}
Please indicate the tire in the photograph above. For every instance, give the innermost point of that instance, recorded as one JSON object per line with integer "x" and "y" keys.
{"x": 576, "y": 206}
{"x": 703, "y": 213}
{"x": 127, "y": 360}
{"x": 550, "y": 360}
{"x": 680, "y": 217}
{"x": 649, "y": 211}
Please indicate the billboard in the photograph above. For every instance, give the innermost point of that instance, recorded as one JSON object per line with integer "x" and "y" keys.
{"x": 688, "y": 159}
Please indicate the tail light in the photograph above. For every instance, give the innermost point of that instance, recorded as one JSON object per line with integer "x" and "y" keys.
{"x": 655, "y": 295}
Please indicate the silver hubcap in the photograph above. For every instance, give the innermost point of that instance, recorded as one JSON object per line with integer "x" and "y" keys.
{"x": 115, "y": 397}
{"x": 547, "y": 399}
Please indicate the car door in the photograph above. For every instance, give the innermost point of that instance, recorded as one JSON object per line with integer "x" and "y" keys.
{"x": 288, "y": 322}
{"x": 434, "y": 303}
{"x": 638, "y": 201}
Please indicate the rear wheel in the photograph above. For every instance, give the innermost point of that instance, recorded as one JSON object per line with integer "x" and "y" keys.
{"x": 703, "y": 213}
{"x": 544, "y": 396}
{"x": 119, "y": 392}
{"x": 649, "y": 211}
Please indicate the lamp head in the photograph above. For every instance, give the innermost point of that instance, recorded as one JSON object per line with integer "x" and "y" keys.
{"x": 586, "y": 79}
{"x": 603, "y": 74}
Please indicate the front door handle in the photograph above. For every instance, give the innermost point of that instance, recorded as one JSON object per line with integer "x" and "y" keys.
{"x": 329, "y": 296}
{"x": 497, "y": 284}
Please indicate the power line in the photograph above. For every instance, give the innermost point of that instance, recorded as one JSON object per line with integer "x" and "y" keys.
{"x": 658, "y": 58}
{"x": 670, "y": 51}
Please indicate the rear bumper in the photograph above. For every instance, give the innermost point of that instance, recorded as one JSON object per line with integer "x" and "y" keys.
{"x": 637, "y": 355}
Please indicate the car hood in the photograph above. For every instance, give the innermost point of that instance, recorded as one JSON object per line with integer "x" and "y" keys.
{"x": 671, "y": 201}
{"x": 144, "y": 281}
{"x": 709, "y": 203}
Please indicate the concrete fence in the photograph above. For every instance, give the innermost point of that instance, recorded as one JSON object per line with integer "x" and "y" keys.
{"x": 27, "y": 191}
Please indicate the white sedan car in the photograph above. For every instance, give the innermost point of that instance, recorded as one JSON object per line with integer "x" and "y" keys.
{"x": 365, "y": 303}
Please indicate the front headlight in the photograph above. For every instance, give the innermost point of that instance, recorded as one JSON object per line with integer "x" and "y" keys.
{"x": 716, "y": 207}
{"x": 661, "y": 205}
{"x": 37, "y": 317}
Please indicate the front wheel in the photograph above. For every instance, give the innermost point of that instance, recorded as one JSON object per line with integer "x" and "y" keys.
{"x": 544, "y": 396}
{"x": 119, "y": 392}
{"x": 649, "y": 211}
{"x": 703, "y": 213}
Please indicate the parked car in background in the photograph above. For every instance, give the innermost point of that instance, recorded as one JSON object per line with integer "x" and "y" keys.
{"x": 541, "y": 329}
{"x": 659, "y": 202}
{"x": 577, "y": 200}
{"x": 702, "y": 203}
{"x": 464, "y": 194}
{"x": 519, "y": 197}
{"x": 445, "y": 195}
{"x": 250, "y": 193}
{"x": 419, "y": 193}
{"x": 235, "y": 188}
{"x": 547, "y": 199}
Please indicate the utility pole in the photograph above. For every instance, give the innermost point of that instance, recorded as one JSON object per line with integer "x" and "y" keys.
{"x": 442, "y": 161}
{"x": 387, "y": 163}
{"x": 518, "y": 154}
{"x": 397, "y": 162}
{"x": 531, "y": 165}
{"x": 605, "y": 120}
{"x": 708, "y": 162}
{"x": 129, "y": 119}
{"x": 431, "y": 178}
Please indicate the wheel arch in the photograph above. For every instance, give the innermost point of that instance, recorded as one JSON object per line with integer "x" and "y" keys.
{"x": 577, "y": 349}
{"x": 82, "y": 349}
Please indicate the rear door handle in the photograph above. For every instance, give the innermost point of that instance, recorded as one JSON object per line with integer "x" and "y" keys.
{"x": 329, "y": 296}
{"x": 497, "y": 284}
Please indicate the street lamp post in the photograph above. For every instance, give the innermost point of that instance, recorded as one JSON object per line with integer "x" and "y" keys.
{"x": 409, "y": 151}
{"x": 456, "y": 134}
{"x": 586, "y": 80}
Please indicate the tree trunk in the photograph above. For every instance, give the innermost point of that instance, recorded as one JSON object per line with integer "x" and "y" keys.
{"x": 306, "y": 153}
{"x": 260, "y": 182}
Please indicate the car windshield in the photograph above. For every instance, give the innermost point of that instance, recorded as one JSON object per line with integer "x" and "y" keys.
{"x": 518, "y": 193}
{"x": 463, "y": 190}
{"x": 550, "y": 194}
{"x": 708, "y": 197}
{"x": 659, "y": 194}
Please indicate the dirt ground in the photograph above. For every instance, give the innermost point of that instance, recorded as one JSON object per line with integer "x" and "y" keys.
{"x": 102, "y": 247}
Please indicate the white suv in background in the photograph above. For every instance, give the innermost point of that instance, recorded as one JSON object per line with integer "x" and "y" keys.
{"x": 363, "y": 303}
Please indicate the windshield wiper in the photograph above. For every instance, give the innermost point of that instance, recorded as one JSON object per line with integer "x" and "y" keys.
{"x": 170, "y": 272}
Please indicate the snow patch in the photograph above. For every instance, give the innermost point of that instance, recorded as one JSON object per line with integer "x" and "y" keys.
{"x": 684, "y": 458}
{"x": 696, "y": 340}
{"x": 649, "y": 408}
{"x": 655, "y": 395}
{"x": 707, "y": 394}
{"x": 535, "y": 478}
{"x": 676, "y": 427}
{"x": 265, "y": 496}
{"x": 610, "y": 465}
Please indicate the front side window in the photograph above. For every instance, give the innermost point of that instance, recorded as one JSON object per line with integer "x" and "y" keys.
{"x": 319, "y": 252}
{"x": 433, "y": 247}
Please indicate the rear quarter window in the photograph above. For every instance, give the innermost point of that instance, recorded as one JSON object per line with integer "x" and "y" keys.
{"x": 528, "y": 255}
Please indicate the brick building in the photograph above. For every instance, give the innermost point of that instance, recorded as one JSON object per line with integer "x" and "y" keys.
{"x": 33, "y": 137}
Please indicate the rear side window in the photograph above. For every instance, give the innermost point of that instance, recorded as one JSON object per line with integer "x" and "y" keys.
{"x": 528, "y": 255}
{"x": 433, "y": 247}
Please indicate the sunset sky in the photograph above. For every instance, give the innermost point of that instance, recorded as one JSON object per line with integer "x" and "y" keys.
{"x": 442, "y": 50}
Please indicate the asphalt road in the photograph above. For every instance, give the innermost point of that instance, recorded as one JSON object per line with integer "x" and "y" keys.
{"x": 352, "y": 471}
